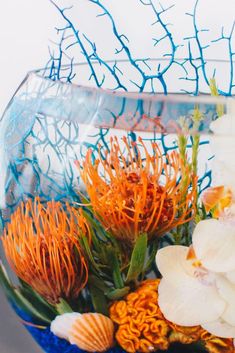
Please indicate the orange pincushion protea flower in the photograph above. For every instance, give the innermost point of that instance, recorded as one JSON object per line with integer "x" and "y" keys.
{"x": 142, "y": 326}
{"x": 41, "y": 244}
{"x": 139, "y": 192}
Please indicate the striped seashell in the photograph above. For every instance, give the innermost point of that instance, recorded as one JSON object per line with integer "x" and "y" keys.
{"x": 92, "y": 332}
{"x": 62, "y": 324}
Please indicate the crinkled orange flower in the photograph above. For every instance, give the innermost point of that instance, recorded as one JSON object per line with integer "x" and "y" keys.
{"x": 142, "y": 326}
{"x": 41, "y": 244}
{"x": 133, "y": 191}
{"x": 216, "y": 344}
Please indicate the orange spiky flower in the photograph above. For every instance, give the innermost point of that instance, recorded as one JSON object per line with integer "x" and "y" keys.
{"x": 139, "y": 192}
{"x": 41, "y": 244}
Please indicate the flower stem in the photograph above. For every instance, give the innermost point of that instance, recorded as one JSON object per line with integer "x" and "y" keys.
{"x": 215, "y": 93}
{"x": 63, "y": 307}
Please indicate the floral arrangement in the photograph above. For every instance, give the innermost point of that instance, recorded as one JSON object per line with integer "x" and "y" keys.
{"x": 143, "y": 262}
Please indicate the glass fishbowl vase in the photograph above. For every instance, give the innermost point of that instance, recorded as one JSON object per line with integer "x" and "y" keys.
{"x": 96, "y": 184}
{"x": 117, "y": 198}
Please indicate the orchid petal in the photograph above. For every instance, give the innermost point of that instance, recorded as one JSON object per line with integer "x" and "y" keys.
{"x": 222, "y": 144}
{"x": 172, "y": 261}
{"x": 183, "y": 297}
{"x": 226, "y": 290}
{"x": 223, "y": 171}
{"x": 225, "y": 125}
{"x": 186, "y": 304}
{"x": 220, "y": 328}
{"x": 213, "y": 243}
{"x": 230, "y": 276}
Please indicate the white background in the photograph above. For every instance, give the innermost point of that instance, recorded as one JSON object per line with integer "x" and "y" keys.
{"x": 27, "y": 25}
{"x": 25, "y": 29}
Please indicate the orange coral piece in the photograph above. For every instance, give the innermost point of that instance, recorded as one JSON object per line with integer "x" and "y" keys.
{"x": 142, "y": 327}
{"x": 216, "y": 344}
{"x": 41, "y": 244}
{"x": 185, "y": 334}
{"x": 136, "y": 192}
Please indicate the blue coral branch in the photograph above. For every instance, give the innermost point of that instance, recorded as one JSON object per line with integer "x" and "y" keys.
{"x": 79, "y": 41}
{"x": 229, "y": 39}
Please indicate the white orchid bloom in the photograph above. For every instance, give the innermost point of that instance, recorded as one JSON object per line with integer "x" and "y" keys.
{"x": 222, "y": 144}
{"x": 201, "y": 290}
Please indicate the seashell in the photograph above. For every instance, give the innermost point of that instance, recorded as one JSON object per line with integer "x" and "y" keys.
{"x": 92, "y": 332}
{"x": 62, "y": 324}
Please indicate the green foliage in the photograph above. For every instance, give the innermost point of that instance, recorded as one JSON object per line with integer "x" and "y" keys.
{"x": 152, "y": 251}
{"x": 117, "y": 294}
{"x": 27, "y": 300}
{"x": 185, "y": 124}
{"x": 98, "y": 299}
{"x": 183, "y": 139}
{"x": 137, "y": 258}
{"x": 63, "y": 307}
{"x": 197, "y": 117}
{"x": 215, "y": 93}
{"x": 113, "y": 269}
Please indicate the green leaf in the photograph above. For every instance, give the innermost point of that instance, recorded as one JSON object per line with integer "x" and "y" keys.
{"x": 137, "y": 258}
{"x": 34, "y": 312}
{"x": 37, "y": 301}
{"x": 116, "y": 272}
{"x": 88, "y": 214}
{"x": 98, "y": 283}
{"x": 118, "y": 293}
{"x": 94, "y": 226}
{"x": 84, "y": 200}
{"x": 88, "y": 252}
{"x": 151, "y": 258}
{"x": 63, "y": 307}
{"x": 215, "y": 93}
{"x": 6, "y": 284}
{"x": 98, "y": 300}
{"x": 17, "y": 298}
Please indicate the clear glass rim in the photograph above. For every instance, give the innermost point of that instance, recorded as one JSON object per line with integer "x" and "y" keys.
{"x": 168, "y": 107}
{"x": 202, "y": 98}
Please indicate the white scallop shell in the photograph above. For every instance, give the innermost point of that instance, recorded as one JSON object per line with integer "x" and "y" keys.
{"x": 92, "y": 332}
{"x": 62, "y": 324}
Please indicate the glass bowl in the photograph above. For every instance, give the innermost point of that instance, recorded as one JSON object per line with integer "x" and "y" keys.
{"x": 117, "y": 182}
{"x": 156, "y": 155}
